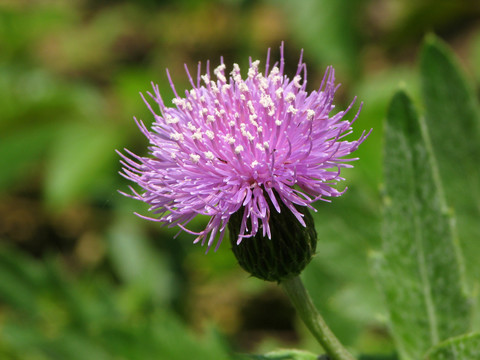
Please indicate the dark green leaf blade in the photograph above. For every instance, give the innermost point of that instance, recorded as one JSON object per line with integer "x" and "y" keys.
{"x": 465, "y": 347}
{"x": 419, "y": 269}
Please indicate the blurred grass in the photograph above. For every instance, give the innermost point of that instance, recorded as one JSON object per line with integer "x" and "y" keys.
{"x": 77, "y": 264}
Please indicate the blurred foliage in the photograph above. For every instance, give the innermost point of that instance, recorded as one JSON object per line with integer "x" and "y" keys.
{"x": 80, "y": 276}
{"x": 56, "y": 318}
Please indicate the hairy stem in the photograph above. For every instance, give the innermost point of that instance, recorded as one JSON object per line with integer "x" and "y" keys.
{"x": 313, "y": 320}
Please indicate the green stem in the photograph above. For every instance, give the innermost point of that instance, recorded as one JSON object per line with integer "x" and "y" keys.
{"x": 313, "y": 320}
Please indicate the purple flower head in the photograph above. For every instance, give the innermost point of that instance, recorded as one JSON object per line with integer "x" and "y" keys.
{"x": 231, "y": 143}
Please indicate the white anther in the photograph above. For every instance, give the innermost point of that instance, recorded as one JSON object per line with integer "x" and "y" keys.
{"x": 169, "y": 119}
{"x": 277, "y": 79}
{"x": 221, "y": 77}
{"x": 278, "y": 122}
{"x": 176, "y": 136}
{"x": 179, "y": 102}
{"x": 236, "y": 70}
{"x": 290, "y": 97}
{"x": 197, "y": 135}
{"x": 279, "y": 93}
{"x": 296, "y": 81}
{"x": 205, "y": 79}
{"x": 266, "y": 101}
{"x": 246, "y": 133}
{"x": 243, "y": 87}
{"x": 214, "y": 88}
{"x": 209, "y": 155}
{"x": 253, "y": 69}
{"x": 292, "y": 110}
{"x": 219, "y": 72}
{"x": 310, "y": 114}
{"x": 275, "y": 71}
{"x": 191, "y": 127}
{"x": 225, "y": 88}
{"x": 229, "y": 139}
{"x": 210, "y": 134}
{"x": 210, "y": 119}
{"x": 254, "y": 163}
{"x": 263, "y": 82}
{"x": 238, "y": 149}
{"x": 195, "y": 158}
{"x": 250, "y": 106}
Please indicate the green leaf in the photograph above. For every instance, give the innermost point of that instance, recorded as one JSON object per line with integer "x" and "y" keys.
{"x": 81, "y": 159}
{"x": 145, "y": 269}
{"x": 376, "y": 92}
{"x": 21, "y": 150}
{"x": 20, "y": 281}
{"x": 348, "y": 302}
{"x": 338, "y": 19}
{"x": 453, "y": 119}
{"x": 465, "y": 347}
{"x": 418, "y": 269}
{"x": 283, "y": 355}
{"x": 49, "y": 314}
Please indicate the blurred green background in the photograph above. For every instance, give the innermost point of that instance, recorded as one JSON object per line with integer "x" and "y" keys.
{"x": 81, "y": 277}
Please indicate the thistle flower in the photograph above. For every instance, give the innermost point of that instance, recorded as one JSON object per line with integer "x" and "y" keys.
{"x": 249, "y": 147}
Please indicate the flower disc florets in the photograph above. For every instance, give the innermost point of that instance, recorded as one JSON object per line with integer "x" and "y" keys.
{"x": 234, "y": 142}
